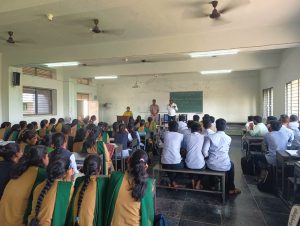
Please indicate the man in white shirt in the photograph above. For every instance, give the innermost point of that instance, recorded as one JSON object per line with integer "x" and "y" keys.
{"x": 195, "y": 157}
{"x": 260, "y": 129}
{"x": 207, "y": 127}
{"x": 171, "y": 158}
{"x": 182, "y": 126}
{"x": 172, "y": 108}
{"x": 217, "y": 146}
{"x": 284, "y": 119}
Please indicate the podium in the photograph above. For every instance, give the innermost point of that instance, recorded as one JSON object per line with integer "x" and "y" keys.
{"x": 124, "y": 119}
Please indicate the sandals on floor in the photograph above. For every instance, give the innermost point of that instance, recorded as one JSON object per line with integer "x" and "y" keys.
{"x": 236, "y": 191}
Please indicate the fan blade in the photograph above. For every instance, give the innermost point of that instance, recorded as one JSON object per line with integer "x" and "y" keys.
{"x": 118, "y": 32}
{"x": 234, "y": 5}
{"x": 195, "y": 13}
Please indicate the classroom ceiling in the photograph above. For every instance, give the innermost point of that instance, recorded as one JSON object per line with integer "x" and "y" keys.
{"x": 156, "y": 30}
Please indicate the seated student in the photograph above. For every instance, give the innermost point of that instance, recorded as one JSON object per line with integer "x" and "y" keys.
{"x": 284, "y": 119}
{"x": 79, "y": 140}
{"x": 142, "y": 130}
{"x": 196, "y": 118}
{"x": 15, "y": 205}
{"x": 171, "y": 158}
{"x": 207, "y": 127}
{"x": 115, "y": 127}
{"x": 28, "y": 139}
{"x": 4, "y": 130}
{"x": 43, "y": 131}
{"x": 274, "y": 140}
{"x": 181, "y": 124}
{"x": 14, "y": 132}
{"x": 35, "y": 125}
{"x": 130, "y": 195}
{"x": 260, "y": 129}
{"x": 150, "y": 125}
{"x": 51, "y": 198}
{"x": 128, "y": 113}
{"x": 123, "y": 137}
{"x": 10, "y": 155}
{"x": 93, "y": 120}
{"x": 87, "y": 204}
{"x": 294, "y": 125}
{"x": 195, "y": 157}
{"x": 52, "y": 124}
{"x": 47, "y": 141}
{"x": 59, "y": 143}
{"x": 104, "y": 135}
{"x": 59, "y": 125}
{"x": 217, "y": 146}
{"x": 137, "y": 121}
{"x": 73, "y": 128}
{"x": 213, "y": 126}
{"x": 249, "y": 121}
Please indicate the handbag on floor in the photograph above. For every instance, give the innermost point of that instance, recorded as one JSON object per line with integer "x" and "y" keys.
{"x": 248, "y": 167}
{"x": 266, "y": 183}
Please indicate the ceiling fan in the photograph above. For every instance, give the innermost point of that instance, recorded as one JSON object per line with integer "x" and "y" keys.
{"x": 10, "y": 38}
{"x": 96, "y": 29}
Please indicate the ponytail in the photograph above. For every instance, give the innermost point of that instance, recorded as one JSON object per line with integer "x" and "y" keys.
{"x": 56, "y": 169}
{"x": 139, "y": 173}
{"x": 91, "y": 166}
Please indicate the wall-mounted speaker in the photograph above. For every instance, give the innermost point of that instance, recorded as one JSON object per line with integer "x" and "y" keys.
{"x": 16, "y": 79}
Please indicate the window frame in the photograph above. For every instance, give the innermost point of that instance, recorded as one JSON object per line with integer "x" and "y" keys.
{"x": 268, "y": 104}
{"x": 292, "y": 97}
{"x": 36, "y": 92}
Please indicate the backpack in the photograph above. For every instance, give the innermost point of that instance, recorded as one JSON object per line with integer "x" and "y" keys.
{"x": 266, "y": 183}
{"x": 248, "y": 166}
{"x": 160, "y": 220}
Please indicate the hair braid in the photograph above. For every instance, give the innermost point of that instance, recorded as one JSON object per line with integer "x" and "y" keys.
{"x": 81, "y": 194}
{"x": 35, "y": 221}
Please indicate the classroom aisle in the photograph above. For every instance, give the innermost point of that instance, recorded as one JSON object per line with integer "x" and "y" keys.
{"x": 250, "y": 208}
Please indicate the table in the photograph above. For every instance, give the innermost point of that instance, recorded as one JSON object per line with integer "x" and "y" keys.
{"x": 284, "y": 168}
{"x": 252, "y": 141}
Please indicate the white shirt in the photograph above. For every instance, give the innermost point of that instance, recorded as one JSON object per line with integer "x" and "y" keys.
{"x": 195, "y": 157}
{"x": 217, "y": 145}
{"x": 172, "y": 109}
{"x": 73, "y": 163}
{"x": 208, "y": 132}
{"x": 171, "y": 150}
{"x": 182, "y": 126}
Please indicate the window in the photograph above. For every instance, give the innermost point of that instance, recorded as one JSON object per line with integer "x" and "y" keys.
{"x": 40, "y": 72}
{"x": 82, "y": 96}
{"x": 292, "y": 97}
{"x": 83, "y": 81}
{"x": 268, "y": 102}
{"x": 37, "y": 101}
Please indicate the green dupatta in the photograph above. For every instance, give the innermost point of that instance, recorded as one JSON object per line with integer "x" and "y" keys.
{"x": 105, "y": 137}
{"x": 61, "y": 203}
{"x": 101, "y": 150}
{"x": 147, "y": 204}
{"x": 101, "y": 190}
{"x": 40, "y": 177}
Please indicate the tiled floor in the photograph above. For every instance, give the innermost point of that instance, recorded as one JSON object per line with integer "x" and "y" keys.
{"x": 250, "y": 208}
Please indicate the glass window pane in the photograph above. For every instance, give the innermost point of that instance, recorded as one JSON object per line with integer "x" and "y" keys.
{"x": 28, "y": 101}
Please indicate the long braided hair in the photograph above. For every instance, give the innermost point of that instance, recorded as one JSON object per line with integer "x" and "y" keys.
{"x": 138, "y": 171}
{"x": 91, "y": 166}
{"x": 56, "y": 169}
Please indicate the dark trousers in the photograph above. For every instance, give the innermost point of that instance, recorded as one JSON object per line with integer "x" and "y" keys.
{"x": 260, "y": 162}
{"x": 172, "y": 175}
{"x": 172, "y": 118}
{"x": 229, "y": 181}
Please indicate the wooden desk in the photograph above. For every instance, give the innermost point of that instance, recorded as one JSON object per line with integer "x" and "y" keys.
{"x": 284, "y": 168}
{"x": 252, "y": 141}
{"x": 294, "y": 186}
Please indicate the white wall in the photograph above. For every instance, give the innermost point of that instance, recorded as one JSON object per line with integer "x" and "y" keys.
{"x": 288, "y": 70}
{"x": 233, "y": 96}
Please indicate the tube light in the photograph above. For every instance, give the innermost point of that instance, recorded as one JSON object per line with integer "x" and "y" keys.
{"x": 107, "y": 77}
{"x": 215, "y": 72}
{"x": 62, "y": 64}
{"x": 214, "y": 53}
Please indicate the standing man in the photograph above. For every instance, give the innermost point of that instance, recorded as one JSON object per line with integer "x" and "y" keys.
{"x": 154, "y": 110}
{"x": 172, "y": 108}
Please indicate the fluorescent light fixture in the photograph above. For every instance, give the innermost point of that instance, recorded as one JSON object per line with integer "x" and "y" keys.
{"x": 62, "y": 64}
{"x": 215, "y": 72}
{"x": 107, "y": 77}
{"x": 214, "y": 53}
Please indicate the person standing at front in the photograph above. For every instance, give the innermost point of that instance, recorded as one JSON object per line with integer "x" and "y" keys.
{"x": 154, "y": 110}
{"x": 172, "y": 108}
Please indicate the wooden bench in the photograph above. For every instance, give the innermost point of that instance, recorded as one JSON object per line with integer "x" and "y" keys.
{"x": 158, "y": 168}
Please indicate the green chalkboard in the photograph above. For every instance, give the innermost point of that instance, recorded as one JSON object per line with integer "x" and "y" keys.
{"x": 188, "y": 102}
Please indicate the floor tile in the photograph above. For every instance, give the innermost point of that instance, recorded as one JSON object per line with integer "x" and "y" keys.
{"x": 273, "y": 205}
{"x": 170, "y": 194}
{"x": 173, "y": 221}
{"x": 194, "y": 223}
{"x": 169, "y": 207}
{"x": 276, "y": 219}
{"x": 201, "y": 213}
{"x": 239, "y": 217}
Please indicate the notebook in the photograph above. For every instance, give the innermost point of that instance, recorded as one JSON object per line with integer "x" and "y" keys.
{"x": 293, "y": 152}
